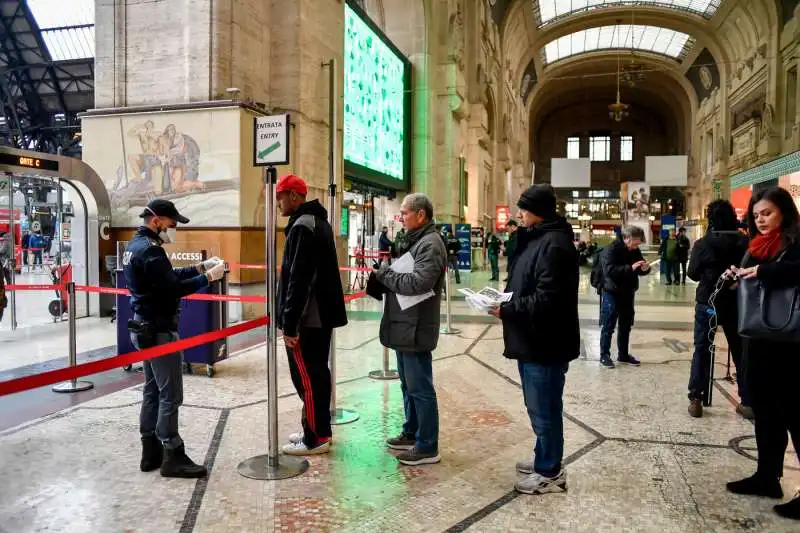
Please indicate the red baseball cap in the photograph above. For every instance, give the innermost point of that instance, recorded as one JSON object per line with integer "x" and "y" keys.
{"x": 293, "y": 184}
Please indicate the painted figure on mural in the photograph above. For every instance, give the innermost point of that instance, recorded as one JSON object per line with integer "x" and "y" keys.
{"x": 182, "y": 160}
{"x": 147, "y": 164}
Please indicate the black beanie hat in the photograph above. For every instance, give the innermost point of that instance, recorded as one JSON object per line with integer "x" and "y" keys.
{"x": 538, "y": 199}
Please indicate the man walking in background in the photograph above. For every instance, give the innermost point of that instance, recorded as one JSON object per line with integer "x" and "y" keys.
{"x": 683, "y": 255}
{"x": 511, "y": 244}
{"x": 493, "y": 245}
{"x": 412, "y": 329}
{"x": 668, "y": 251}
{"x": 310, "y": 304}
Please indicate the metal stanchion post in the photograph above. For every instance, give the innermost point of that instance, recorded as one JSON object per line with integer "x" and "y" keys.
{"x": 272, "y": 465}
{"x": 13, "y": 250}
{"x": 385, "y": 373}
{"x": 448, "y": 330}
{"x": 339, "y": 416}
{"x": 710, "y": 389}
{"x": 72, "y": 385}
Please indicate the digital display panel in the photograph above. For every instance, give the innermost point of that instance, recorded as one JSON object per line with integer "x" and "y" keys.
{"x": 28, "y": 162}
{"x": 376, "y": 105}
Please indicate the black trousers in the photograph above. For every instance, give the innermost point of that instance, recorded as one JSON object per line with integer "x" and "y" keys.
{"x": 308, "y": 365}
{"x": 683, "y": 263}
{"x": 772, "y": 372}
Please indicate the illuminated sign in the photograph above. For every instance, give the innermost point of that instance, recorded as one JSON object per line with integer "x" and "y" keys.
{"x": 502, "y": 216}
{"x": 377, "y": 105}
{"x": 36, "y": 163}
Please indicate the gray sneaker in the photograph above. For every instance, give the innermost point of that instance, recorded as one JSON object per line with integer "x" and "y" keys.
{"x": 401, "y": 442}
{"x": 414, "y": 457}
{"x": 538, "y": 484}
{"x": 525, "y": 467}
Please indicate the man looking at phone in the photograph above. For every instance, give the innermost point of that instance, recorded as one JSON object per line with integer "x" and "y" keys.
{"x": 623, "y": 263}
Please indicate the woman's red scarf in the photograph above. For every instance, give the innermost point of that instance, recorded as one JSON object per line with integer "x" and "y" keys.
{"x": 766, "y": 246}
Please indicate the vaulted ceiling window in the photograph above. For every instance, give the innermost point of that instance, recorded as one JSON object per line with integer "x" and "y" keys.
{"x": 550, "y": 10}
{"x": 67, "y": 27}
{"x": 625, "y": 36}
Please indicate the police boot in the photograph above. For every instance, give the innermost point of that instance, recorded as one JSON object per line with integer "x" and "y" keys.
{"x": 152, "y": 453}
{"x": 177, "y": 464}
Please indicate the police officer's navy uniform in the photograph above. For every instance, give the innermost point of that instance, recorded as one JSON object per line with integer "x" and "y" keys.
{"x": 156, "y": 290}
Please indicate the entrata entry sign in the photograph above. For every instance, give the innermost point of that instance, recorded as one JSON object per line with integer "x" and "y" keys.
{"x": 271, "y": 140}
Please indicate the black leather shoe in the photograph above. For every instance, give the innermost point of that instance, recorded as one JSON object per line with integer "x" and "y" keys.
{"x": 790, "y": 509}
{"x": 152, "y": 454}
{"x": 177, "y": 464}
{"x": 757, "y": 485}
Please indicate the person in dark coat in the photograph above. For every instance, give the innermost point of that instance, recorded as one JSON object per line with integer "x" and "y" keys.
{"x": 684, "y": 245}
{"x": 511, "y": 243}
{"x": 720, "y": 247}
{"x": 310, "y": 304}
{"x": 385, "y": 245}
{"x": 622, "y": 264}
{"x": 772, "y": 367}
{"x": 541, "y": 330}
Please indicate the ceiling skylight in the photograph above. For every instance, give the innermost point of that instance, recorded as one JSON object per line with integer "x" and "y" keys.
{"x": 648, "y": 38}
{"x": 550, "y": 10}
{"x": 67, "y": 27}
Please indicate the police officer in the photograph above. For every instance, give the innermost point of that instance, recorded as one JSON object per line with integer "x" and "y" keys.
{"x": 156, "y": 290}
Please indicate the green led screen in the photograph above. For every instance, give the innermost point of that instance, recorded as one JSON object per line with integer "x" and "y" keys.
{"x": 375, "y": 105}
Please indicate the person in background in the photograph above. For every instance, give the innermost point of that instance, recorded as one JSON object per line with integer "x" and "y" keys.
{"x": 399, "y": 242}
{"x": 156, "y": 291}
{"x": 310, "y": 305}
{"x": 720, "y": 247}
{"x": 493, "y": 245}
{"x": 384, "y": 246}
{"x": 622, "y": 264}
{"x": 453, "y": 247}
{"x": 6, "y": 251}
{"x": 541, "y": 331}
{"x": 414, "y": 333}
{"x": 37, "y": 247}
{"x": 25, "y": 244}
{"x": 684, "y": 245}
{"x": 772, "y": 367}
{"x": 668, "y": 251}
{"x": 511, "y": 244}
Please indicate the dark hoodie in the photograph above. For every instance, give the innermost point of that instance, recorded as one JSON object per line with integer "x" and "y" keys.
{"x": 310, "y": 290}
{"x": 714, "y": 253}
{"x": 540, "y": 323}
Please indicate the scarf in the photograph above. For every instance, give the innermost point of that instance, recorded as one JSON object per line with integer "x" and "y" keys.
{"x": 411, "y": 238}
{"x": 766, "y": 246}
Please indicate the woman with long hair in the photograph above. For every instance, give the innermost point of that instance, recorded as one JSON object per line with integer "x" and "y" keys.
{"x": 720, "y": 247}
{"x": 772, "y": 367}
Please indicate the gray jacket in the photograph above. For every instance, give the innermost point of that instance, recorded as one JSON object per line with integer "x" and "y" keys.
{"x": 417, "y": 328}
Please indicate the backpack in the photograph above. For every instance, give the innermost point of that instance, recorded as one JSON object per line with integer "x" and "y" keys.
{"x": 596, "y": 278}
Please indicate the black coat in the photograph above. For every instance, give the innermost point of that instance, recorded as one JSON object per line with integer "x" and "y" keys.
{"x": 712, "y": 255}
{"x": 310, "y": 289}
{"x": 618, "y": 276}
{"x": 540, "y": 323}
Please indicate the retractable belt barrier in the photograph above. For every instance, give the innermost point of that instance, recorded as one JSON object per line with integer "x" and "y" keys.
{"x": 93, "y": 367}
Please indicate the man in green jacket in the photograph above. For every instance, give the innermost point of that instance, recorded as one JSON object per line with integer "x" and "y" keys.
{"x": 669, "y": 255}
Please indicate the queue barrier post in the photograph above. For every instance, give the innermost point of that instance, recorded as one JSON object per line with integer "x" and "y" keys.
{"x": 73, "y": 385}
{"x": 271, "y": 466}
{"x": 448, "y": 329}
{"x": 385, "y": 373}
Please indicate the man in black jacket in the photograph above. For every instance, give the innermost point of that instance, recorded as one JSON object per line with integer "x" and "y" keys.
{"x": 712, "y": 255}
{"x": 310, "y": 304}
{"x": 684, "y": 245}
{"x": 541, "y": 330}
{"x": 623, "y": 263}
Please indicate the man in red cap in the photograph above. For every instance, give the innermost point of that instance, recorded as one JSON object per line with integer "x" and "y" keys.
{"x": 310, "y": 304}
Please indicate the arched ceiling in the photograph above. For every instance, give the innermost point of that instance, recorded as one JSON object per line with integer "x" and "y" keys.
{"x": 548, "y": 11}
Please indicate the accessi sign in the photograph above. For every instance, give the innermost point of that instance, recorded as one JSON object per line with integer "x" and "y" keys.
{"x": 185, "y": 257}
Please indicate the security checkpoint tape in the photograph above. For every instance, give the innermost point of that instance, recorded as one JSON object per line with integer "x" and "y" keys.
{"x": 93, "y": 367}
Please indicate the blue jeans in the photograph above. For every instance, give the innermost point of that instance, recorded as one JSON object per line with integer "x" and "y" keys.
{"x": 419, "y": 399}
{"x": 543, "y": 391}
{"x": 614, "y": 308}
{"x": 162, "y": 394}
{"x": 727, "y": 318}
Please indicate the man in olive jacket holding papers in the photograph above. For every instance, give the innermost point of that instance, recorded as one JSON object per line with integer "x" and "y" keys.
{"x": 410, "y": 326}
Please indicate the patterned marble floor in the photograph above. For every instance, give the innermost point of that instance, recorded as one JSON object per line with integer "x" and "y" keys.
{"x": 636, "y": 461}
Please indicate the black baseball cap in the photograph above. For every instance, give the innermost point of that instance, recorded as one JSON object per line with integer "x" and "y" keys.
{"x": 163, "y": 208}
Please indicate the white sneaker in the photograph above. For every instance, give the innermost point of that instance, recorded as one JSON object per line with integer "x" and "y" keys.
{"x": 538, "y": 484}
{"x": 294, "y": 438}
{"x": 299, "y": 448}
{"x": 525, "y": 467}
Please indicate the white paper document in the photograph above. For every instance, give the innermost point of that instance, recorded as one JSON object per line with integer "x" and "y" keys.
{"x": 485, "y": 299}
{"x": 405, "y": 265}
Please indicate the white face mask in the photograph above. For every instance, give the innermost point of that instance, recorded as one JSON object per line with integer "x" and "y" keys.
{"x": 170, "y": 235}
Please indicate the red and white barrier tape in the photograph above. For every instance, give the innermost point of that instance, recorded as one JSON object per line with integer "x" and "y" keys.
{"x": 93, "y": 367}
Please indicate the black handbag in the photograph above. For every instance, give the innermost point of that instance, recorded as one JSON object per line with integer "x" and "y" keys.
{"x": 768, "y": 313}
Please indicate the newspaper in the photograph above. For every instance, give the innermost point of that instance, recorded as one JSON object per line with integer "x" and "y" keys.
{"x": 485, "y": 299}
{"x": 405, "y": 265}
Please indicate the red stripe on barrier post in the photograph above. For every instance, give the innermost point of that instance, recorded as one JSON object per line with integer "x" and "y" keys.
{"x": 93, "y": 367}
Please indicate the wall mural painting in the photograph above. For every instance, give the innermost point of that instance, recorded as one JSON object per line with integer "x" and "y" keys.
{"x": 191, "y": 159}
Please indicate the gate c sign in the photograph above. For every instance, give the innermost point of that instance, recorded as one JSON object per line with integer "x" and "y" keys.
{"x": 502, "y": 216}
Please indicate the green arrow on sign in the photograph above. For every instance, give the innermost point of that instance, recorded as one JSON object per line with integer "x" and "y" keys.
{"x": 269, "y": 149}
